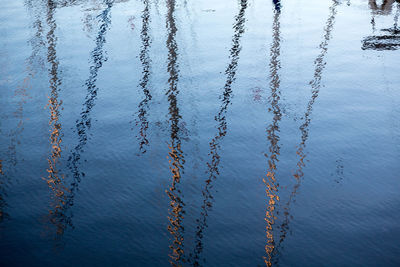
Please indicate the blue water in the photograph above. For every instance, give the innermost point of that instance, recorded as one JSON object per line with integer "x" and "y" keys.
{"x": 199, "y": 133}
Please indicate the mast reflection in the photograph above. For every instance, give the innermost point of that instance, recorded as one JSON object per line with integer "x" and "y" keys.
{"x": 319, "y": 65}
{"x": 84, "y": 123}
{"x": 21, "y": 92}
{"x": 175, "y": 155}
{"x": 213, "y": 165}
{"x": 144, "y": 83}
{"x": 270, "y": 180}
{"x": 55, "y": 180}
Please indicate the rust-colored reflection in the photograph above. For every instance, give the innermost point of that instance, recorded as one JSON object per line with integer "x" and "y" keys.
{"x": 175, "y": 155}
{"x": 55, "y": 180}
{"x": 213, "y": 165}
{"x": 84, "y": 123}
{"x": 319, "y": 65}
{"x": 144, "y": 82}
{"x": 270, "y": 180}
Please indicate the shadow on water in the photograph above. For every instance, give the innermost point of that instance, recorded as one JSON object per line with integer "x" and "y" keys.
{"x": 55, "y": 179}
{"x": 175, "y": 154}
{"x": 213, "y": 165}
{"x": 273, "y": 134}
{"x": 319, "y": 64}
{"x": 34, "y": 63}
{"x": 391, "y": 39}
{"x": 144, "y": 82}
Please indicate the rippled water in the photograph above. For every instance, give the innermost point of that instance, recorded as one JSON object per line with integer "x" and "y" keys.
{"x": 212, "y": 133}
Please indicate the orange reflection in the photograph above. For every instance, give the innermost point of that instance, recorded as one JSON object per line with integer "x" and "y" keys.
{"x": 176, "y": 229}
{"x": 273, "y": 130}
{"x": 213, "y": 165}
{"x": 175, "y": 155}
{"x": 55, "y": 180}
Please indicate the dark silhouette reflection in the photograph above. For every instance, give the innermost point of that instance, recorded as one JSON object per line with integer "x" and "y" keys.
{"x": 55, "y": 179}
{"x": 144, "y": 82}
{"x": 381, "y": 43}
{"x": 21, "y": 93}
{"x": 84, "y": 123}
{"x": 319, "y": 65}
{"x": 270, "y": 180}
{"x": 277, "y": 5}
{"x": 389, "y": 41}
{"x": 213, "y": 165}
{"x": 175, "y": 155}
{"x": 382, "y": 9}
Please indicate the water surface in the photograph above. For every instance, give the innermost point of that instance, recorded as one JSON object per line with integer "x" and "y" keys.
{"x": 199, "y": 133}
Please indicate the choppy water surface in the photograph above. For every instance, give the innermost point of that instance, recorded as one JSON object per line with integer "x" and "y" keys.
{"x": 204, "y": 133}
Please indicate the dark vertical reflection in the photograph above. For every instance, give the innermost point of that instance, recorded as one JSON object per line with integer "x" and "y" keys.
{"x": 84, "y": 123}
{"x": 144, "y": 82}
{"x": 175, "y": 155}
{"x": 396, "y": 18}
{"x": 55, "y": 179}
{"x": 21, "y": 92}
{"x": 220, "y": 118}
{"x": 319, "y": 65}
{"x": 270, "y": 180}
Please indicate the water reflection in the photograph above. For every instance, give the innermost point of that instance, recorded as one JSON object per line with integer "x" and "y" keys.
{"x": 175, "y": 155}
{"x": 84, "y": 123}
{"x": 3, "y": 203}
{"x": 55, "y": 179}
{"x": 213, "y": 165}
{"x": 319, "y": 65}
{"x": 144, "y": 82}
{"x": 384, "y": 8}
{"x": 21, "y": 93}
{"x": 390, "y": 40}
{"x": 34, "y": 63}
{"x": 273, "y": 134}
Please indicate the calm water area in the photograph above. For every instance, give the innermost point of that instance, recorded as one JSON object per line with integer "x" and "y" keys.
{"x": 199, "y": 133}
